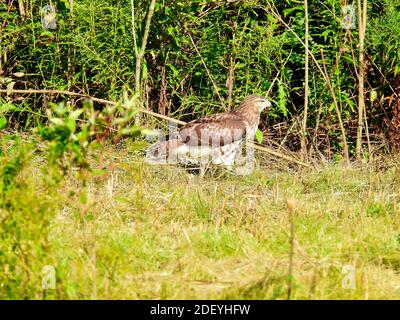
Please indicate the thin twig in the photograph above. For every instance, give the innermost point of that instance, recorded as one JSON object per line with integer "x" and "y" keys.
{"x": 133, "y": 27}
{"x": 368, "y": 135}
{"x": 71, "y": 47}
{"x": 140, "y": 54}
{"x": 362, "y": 20}
{"x": 272, "y": 84}
{"x": 306, "y": 84}
{"x": 21, "y": 7}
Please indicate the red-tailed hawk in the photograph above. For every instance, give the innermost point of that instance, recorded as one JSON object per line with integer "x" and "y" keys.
{"x": 214, "y": 139}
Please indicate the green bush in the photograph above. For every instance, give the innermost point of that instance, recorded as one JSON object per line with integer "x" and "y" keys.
{"x": 27, "y": 204}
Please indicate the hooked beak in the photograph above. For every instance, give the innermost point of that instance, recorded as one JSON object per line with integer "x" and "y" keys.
{"x": 267, "y": 106}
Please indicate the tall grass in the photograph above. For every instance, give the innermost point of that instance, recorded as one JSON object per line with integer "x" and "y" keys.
{"x": 137, "y": 231}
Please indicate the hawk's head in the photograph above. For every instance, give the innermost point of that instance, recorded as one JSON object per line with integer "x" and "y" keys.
{"x": 251, "y": 107}
{"x": 256, "y": 102}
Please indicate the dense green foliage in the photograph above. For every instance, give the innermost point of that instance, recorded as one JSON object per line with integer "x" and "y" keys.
{"x": 203, "y": 57}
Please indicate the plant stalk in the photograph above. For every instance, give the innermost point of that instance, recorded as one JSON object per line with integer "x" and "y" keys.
{"x": 306, "y": 83}
{"x": 140, "y": 54}
{"x": 362, "y": 20}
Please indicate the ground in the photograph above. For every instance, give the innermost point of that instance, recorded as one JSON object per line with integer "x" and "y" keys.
{"x": 138, "y": 231}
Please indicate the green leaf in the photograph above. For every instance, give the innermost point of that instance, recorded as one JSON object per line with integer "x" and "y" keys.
{"x": 83, "y": 197}
{"x": 373, "y": 95}
{"x": 130, "y": 131}
{"x": 282, "y": 98}
{"x": 119, "y": 121}
{"x": 18, "y": 74}
{"x": 3, "y": 123}
{"x": 6, "y": 107}
{"x": 58, "y": 108}
{"x": 70, "y": 124}
{"x": 75, "y": 114}
{"x": 145, "y": 71}
{"x": 57, "y": 121}
{"x": 349, "y": 102}
{"x": 259, "y": 136}
{"x": 10, "y": 87}
{"x": 174, "y": 70}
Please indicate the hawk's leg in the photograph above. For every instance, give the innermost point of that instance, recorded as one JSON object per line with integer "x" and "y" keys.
{"x": 203, "y": 168}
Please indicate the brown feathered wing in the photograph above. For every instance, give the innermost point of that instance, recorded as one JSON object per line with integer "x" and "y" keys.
{"x": 214, "y": 139}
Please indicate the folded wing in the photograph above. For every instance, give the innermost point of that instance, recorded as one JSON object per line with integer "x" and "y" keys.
{"x": 216, "y": 131}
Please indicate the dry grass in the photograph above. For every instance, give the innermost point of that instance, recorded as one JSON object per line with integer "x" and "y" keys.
{"x": 138, "y": 231}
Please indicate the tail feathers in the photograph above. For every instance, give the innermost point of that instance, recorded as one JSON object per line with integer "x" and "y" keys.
{"x": 164, "y": 152}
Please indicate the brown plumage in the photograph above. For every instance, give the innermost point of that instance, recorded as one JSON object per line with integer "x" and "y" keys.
{"x": 214, "y": 139}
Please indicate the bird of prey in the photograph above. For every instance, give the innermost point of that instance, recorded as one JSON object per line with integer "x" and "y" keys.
{"x": 214, "y": 139}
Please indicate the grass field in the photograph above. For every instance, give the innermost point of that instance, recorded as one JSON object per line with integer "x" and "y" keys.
{"x": 137, "y": 231}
